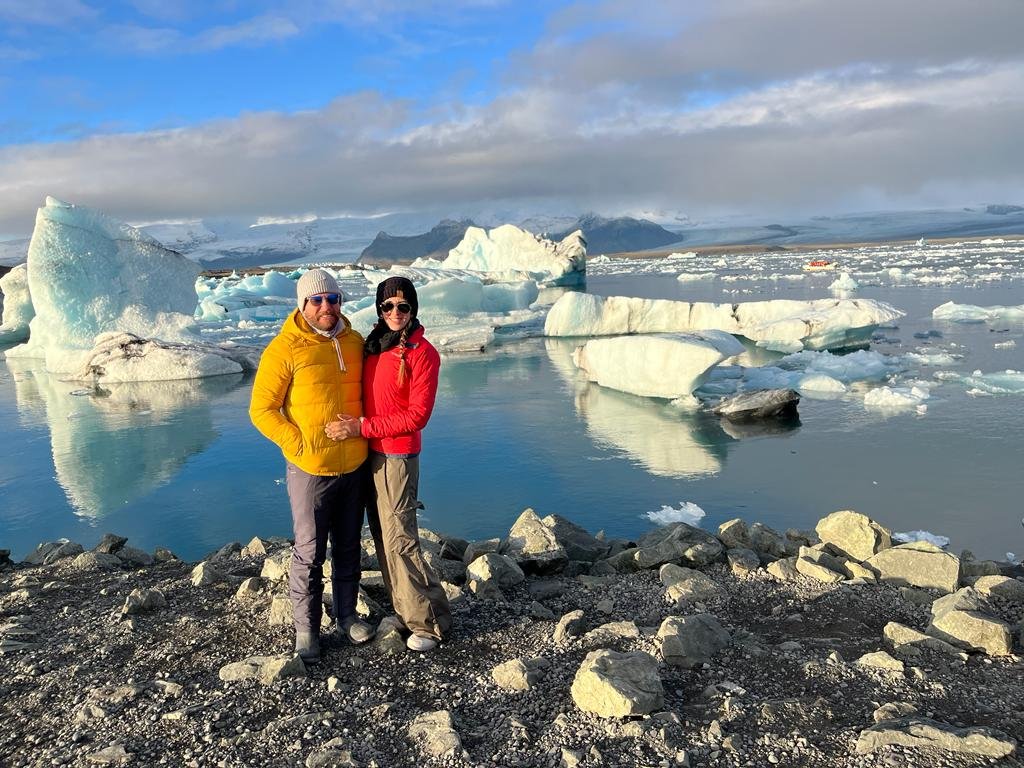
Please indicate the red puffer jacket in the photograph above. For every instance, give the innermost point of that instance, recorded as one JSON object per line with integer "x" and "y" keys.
{"x": 394, "y": 414}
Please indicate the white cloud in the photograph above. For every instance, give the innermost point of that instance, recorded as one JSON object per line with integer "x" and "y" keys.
{"x": 48, "y": 13}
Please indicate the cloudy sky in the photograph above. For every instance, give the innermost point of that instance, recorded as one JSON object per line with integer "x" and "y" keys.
{"x": 169, "y": 109}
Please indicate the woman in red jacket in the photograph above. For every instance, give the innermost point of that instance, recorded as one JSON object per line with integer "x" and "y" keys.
{"x": 399, "y": 385}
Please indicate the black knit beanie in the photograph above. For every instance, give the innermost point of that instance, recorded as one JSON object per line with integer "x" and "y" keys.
{"x": 388, "y": 289}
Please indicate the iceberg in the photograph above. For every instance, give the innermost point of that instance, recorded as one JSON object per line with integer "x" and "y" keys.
{"x": 844, "y": 285}
{"x": 507, "y": 250}
{"x": 89, "y": 275}
{"x": 18, "y": 309}
{"x": 789, "y": 324}
{"x": 969, "y": 313}
{"x": 669, "y": 366}
{"x": 1008, "y": 382}
{"x": 886, "y": 398}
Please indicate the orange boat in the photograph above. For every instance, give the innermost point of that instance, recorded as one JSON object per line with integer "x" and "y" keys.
{"x": 819, "y": 265}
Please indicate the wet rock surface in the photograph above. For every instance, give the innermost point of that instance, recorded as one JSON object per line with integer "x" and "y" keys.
{"x": 120, "y": 659}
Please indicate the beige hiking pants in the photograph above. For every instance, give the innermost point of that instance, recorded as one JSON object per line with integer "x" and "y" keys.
{"x": 419, "y": 599}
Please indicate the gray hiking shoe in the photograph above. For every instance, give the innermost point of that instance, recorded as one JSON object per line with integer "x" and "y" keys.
{"x": 357, "y": 630}
{"x": 421, "y": 643}
{"x": 307, "y": 645}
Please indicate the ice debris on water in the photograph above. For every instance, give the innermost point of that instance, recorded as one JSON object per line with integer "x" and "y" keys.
{"x": 687, "y": 512}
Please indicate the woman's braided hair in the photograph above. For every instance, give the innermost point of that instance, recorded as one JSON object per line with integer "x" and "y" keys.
{"x": 401, "y": 353}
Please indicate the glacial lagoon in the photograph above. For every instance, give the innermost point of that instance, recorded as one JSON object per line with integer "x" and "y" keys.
{"x": 177, "y": 464}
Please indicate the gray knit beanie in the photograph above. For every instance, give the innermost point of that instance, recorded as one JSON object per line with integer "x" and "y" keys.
{"x": 313, "y": 282}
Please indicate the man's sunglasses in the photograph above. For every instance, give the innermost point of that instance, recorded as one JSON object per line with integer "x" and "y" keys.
{"x": 330, "y": 298}
{"x": 391, "y": 306}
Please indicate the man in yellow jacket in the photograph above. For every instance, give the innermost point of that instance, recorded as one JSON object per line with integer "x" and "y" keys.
{"x": 309, "y": 374}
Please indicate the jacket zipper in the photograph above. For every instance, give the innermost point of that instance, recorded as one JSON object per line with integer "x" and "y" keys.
{"x": 341, "y": 361}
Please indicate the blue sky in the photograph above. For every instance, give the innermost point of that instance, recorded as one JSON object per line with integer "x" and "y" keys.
{"x": 170, "y": 109}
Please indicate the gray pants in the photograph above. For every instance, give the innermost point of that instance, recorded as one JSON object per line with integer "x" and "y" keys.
{"x": 324, "y": 507}
{"x": 419, "y": 599}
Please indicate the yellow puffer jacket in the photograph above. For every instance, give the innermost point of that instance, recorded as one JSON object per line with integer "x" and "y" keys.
{"x": 303, "y": 382}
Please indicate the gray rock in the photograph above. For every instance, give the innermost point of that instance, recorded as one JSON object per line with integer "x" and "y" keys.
{"x": 500, "y": 569}
{"x": 331, "y": 758}
{"x": 205, "y": 574}
{"x": 266, "y": 669}
{"x": 613, "y": 631}
{"x": 534, "y": 546}
{"x": 453, "y": 548}
{"x": 486, "y": 590}
{"x": 577, "y": 542}
{"x": 110, "y": 543}
{"x": 742, "y": 562}
{"x": 880, "y": 660}
{"x": 965, "y": 599}
{"x": 251, "y": 588}
{"x": 164, "y": 555}
{"x": 112, "y": 755}
{"x": 784, "y": 569}
{"x": 918, "y": 564}
{"x": 767, "y": 542}
{"x": 917, "y": 732}
{"x": 476, "y": 549}
{"x": 256, "y": 547}
{"x": 570, "y": 625}
{"x": 734, "y": 534}
{"x": 516, "y": 675}
{"x": 893, "y": 711}
{"x": 96, "y": 561}
{"x": 854, "y": 535}
{"x": 820, "y": 565}
{"x": 275, "y": 566}
{"x": 134, "y": 556}
{"x": 974, "y": 631}
{"x": 435, "y": 731}
{"x": 141, "y": 600}
{"x": 760, "y": 404}
{"x": 1001, "y": 586}
{"x": 689, "y": 641}
{"x": 687, "y": 584}
{"x": 280, "y": 612}
{"x": 613, "y": 684}
{"x": 902, "y": 637}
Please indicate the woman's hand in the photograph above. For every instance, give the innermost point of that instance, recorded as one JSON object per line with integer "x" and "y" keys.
{"x": 344, "y": 428}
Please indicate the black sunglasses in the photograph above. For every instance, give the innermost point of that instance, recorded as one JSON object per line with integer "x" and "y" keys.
{"x": 332, "y": 299}
{"x": 403, "y": 307}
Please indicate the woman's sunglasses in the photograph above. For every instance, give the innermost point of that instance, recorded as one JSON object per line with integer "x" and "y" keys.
{"x": 391, "y": 306}
{"x": 330, "y": 298}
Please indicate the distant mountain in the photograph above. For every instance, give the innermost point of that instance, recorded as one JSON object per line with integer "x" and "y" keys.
{"x": 436, "y": 243}
{"x": 619, "y": 235}
{"x": 1003, "y": 210}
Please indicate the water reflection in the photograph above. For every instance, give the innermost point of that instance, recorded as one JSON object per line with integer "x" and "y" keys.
{"x": 665, "y": 440}
{"x": 113, "y": 446}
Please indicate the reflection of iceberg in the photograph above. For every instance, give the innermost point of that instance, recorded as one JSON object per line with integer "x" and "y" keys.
{"x": 667, "y": 441}
{"x": 113, "y": 446}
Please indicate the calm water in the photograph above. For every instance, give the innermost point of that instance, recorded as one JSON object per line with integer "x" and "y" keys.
{"x": 178, "y": 464}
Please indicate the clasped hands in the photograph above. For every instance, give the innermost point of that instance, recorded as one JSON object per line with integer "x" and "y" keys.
{"x": 344, "y": 428}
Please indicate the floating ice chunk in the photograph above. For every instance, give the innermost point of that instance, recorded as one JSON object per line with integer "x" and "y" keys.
{"x": 932, "y": 358}
{"x": 89, "y": 274}
{"x": 18, "y": 309}
{"x": 819, "y": 324}
{"x": 123, "y": 357}
{"x": 862, "y": 365}
{"x": 895, "y": 398}
{"x": 844, "y": 285}
{"x": 932, "y": 538}
{"x": 1005, "y": 344}
{"x": 693, "y": 277}
{"x": 819, "y": 383}
{"x": 669, "y": 366}
{"x": 1009, "y": 382}
{"x": 688, "y": 512}
{"x": 969, "y": 313}
{"x": 508, "y": 248}
{"x": 681, "y": 256}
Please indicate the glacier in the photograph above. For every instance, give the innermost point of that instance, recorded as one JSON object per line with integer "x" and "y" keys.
{"x": 783, "y": 324}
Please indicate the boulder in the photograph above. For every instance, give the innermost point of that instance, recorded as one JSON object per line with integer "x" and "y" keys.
{"x": 880, "y": 660}
{"x": 281, "y": 614}
{"x": 135, "y": 556}
{"x": 974, "y": 631}
{"x": 902, "y": 636}
{"x": 477, "y": 548}
{"x": 110, "y": 543}
{"x": 205, "y": 574}
{"x": 612, "y": 631}
{"x": 965, "y": 599}
{"x": 96, "y": 561}
{"x": 275, "y": 566}
{"x": 578, "y": 543}
{"x": 687, "y": 584}
{"x": 266, "y": 669}
{"x": 742, "y": 562}
{"x": 435, "y": 731}
{"x": 500, "y": 569}
{"x": 1001, "y": 586}
{"x": 767, "y": 542}
{"x": 855, "y": 535}
{"x": 734, "y": 534}
{"x": 917, "y": 732}
{"x": 918, "y": 564}
{"x": 820, "y": 565}
{"x": 486, "y": 590}
{"x": 784, "y": 569}
{"x": 141, "y": 600}
{"x": 256, "y": 547}
{"x": 570, "y": 625}
{"x": 516, "y": 675}
{"x": 613, "y": 684}
{"x": 689, "y": 641}
{"x": 252, "y": 587}
{"x": 534, "y": 546}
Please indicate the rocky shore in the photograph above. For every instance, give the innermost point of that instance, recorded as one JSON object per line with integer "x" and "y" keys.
{"x": 748, "y": 647}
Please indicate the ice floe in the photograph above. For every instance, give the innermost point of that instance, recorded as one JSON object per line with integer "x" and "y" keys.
{"x": 968, "y": 313}
{"x": 782, "y": 324}
{"x": 668, "y": 366}
{"x": 686, "y": 512}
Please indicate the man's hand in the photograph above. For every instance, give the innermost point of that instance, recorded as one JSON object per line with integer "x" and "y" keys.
{"x": 344, "y": 428}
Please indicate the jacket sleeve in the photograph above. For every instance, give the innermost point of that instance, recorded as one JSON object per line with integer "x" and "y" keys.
{"x": 269, "y": 389}
{"x": 423, "y": 374}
